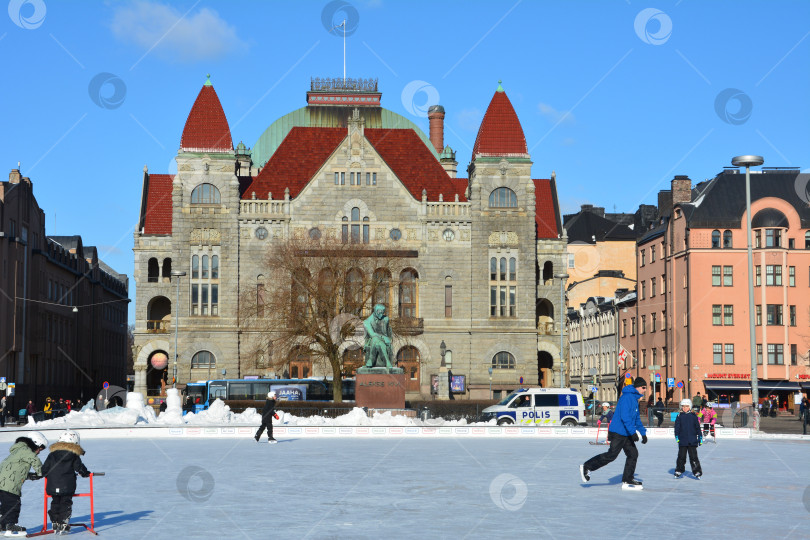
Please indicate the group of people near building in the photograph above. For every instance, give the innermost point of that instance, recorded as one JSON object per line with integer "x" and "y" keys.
{"x": 626, "y": 429}
{"x": 61, "y": 467}
{"x": 50, "y": 409}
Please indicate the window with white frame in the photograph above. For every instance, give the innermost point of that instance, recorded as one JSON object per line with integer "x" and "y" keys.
{"x": 503, "y": 285}
{"x": 204, "y": 283}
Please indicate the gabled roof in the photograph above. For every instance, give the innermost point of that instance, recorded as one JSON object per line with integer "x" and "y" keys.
{"x": 157, "y": 218}
{"x": 591, "y": 228}
{"x": 206, "y": 128}
{"x": 547, "y": 212}
{"x": 305, "y": 149}
{"x": 500, "y": 133}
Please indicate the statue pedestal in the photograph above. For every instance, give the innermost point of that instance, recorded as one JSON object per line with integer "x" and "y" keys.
{"x": 380, "y": 390}
{"x": 444, "y": 384}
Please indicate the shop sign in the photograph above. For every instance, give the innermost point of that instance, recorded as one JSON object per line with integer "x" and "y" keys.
{"x": 728, "y": 376}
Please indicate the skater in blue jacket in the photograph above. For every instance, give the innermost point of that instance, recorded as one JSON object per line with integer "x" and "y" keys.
{"x": 623, "y": 434}
{"x": 688, "y": 436}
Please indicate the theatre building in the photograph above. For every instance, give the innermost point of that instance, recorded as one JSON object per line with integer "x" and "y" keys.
{"x": 692, "y": 308}
{"x": 480, "y": 252}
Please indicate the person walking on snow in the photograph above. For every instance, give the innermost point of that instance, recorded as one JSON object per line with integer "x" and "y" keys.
{"x": 623, "y": 433}
{"x": 689, "y": 437}
{"x": 268, "y": 413}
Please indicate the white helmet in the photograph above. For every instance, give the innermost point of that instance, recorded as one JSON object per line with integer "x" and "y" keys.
{"x": 271, "y": 395}
{"x": 686, "y": 402}
{"x": 606, "y": 405}
{"x": 69, "y": 437}
{"x": 39, "y": 439}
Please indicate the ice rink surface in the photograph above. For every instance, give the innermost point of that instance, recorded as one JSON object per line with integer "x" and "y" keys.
{"x": 432, "y": 488}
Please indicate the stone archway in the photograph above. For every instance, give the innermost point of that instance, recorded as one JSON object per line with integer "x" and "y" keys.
{"x": 142, "y": 358}
{"x": 548, "y": 363}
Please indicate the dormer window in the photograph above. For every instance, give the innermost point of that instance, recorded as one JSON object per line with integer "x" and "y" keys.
{"x": 205, "y": 194}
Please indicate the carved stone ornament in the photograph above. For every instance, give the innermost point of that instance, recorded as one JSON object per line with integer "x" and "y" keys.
{"x": 433, "y": 235}
{"x": 503, "y": 238}
{"x": 465, "y": 236}
{"x": 411, "y": 234}
{"x": 205, "y": 237}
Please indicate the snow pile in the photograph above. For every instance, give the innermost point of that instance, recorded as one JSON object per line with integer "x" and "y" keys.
{"x": 218, "y": 414}
{"x": 173, "y": 415}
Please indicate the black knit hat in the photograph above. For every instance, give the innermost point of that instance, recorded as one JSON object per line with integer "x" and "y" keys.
{"x": 639, "y": 382}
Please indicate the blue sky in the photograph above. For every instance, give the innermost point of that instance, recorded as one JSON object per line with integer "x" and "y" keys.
{"x": 615, "y": 96}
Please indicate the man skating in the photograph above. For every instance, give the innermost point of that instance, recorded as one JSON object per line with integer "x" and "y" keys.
{"x": 268, "y": 413}
{"x": 623, "y": 433}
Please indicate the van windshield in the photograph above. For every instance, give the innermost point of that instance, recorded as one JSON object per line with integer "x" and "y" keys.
{"x": 508, "y": 398}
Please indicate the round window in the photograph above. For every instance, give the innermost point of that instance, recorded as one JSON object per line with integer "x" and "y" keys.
{"x": 396, "y": 234}
{"x": 261, "y": 233}
{"x": 315, "y": 233}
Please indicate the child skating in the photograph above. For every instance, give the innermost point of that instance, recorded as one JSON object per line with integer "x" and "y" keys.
{"x": 14, "y": 470}
{"x": 623, "y": 433}
{"x": 689, "y": 437}
{"x": 268, "y": 413}
{"x": 63, "y": 464}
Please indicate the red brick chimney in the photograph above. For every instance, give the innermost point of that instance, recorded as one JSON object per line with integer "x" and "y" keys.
{"x": 681, "y": 189}
{"x": 436, "y": 117}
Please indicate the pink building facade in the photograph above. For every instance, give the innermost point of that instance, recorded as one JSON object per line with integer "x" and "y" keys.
{"x": 692, "y": 310}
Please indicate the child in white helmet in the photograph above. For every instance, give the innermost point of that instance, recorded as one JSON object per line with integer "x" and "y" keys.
{"x": 688, "y": 436}
{"x": 63, "y": 464}
{"x": 14, "y": 470}
{"x": 268, "y": 413}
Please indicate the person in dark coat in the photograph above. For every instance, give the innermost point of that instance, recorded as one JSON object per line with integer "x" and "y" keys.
{"x": 268, "y": 412}
{"x": 688, "y": 436}
{"x": 658, "y": 410}
{"x": 623, "y": 433}
{"x": 60, "y": 469}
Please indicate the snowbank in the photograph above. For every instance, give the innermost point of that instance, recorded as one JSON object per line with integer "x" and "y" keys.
{"x": 219, "y": 414}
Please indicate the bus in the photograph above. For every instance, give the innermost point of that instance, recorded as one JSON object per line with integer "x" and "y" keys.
{"x": 202, "y": 393}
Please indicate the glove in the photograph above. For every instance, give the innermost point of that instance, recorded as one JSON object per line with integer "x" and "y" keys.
{"x": 677, "y": 440}
{"x": 275, "y": 415}
{"x": 635, "y": 437}
{"x": 34, "y": 476}
{"x": 700, "y": 441}
{"x": 643, "y": 439}
{"x": 85, "y": 475}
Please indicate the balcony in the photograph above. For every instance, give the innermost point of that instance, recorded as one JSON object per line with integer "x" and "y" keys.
{"x": 157, "y": 327}
{"x": 408, "y": 326}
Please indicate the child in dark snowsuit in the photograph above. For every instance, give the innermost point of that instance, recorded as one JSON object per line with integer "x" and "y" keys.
{"x": 63, "y": 464}
{"x": 268, "y": 413}
{"x": 688, "y": 436}
{"x": 14, "y": 470}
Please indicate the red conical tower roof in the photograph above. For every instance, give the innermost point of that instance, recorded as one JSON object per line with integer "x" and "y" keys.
{"x": 206, "y": 127}
{"x": 500, "y": 133}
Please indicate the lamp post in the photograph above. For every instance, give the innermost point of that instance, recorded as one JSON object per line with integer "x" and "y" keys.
{"x": 490, "y": 382}
{"x": 176, "y": 274}
{"x": 562, "y": 278}
{"x": 748, "y": 162}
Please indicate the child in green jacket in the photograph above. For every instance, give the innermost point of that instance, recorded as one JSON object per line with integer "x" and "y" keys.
{"x": 14, "y": 470}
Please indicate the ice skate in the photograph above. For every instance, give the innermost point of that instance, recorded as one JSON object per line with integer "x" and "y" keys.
{"x": 271, "y": 440}
{"x": 15, "y": 530}
{"x": 632, "y": 485}
{"x": 698, "y": 475}
{"x": 678, "y": 474}
{"x": 583, "y": 473}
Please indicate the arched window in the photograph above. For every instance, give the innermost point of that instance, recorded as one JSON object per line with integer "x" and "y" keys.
{"x": 355, "y": 230}
{"x": 203, "y": 359}
{"x": 153, "y": 270}
{"x": 807, "y": 240}
{"x": 300, "y": 363}
{"x": 205, "y": 194}
{"x": 548, "y": 271}
{"x": 353, "y": 292}
{"x": 408, "y": 360}
{"x": 715, "y": 239}
{"x": 382, "y": 288}
{"x": 407, "y": 293}
{"x": 502, "y": 197}
{"x": 503, "y": 286}
{"x": 727, "y": 239}
{"x": 503, "y": 360}
{"x": 167, "y": 270}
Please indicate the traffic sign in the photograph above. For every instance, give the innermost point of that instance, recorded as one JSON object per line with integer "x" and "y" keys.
{"x": 105, "y": 385}
{"x": 671, "y": 382}
{"x": 594, "y": 389}
{"x": 680, "y": 384}
{"x": 3, "y": 386}
{"x": 2, "y": 379}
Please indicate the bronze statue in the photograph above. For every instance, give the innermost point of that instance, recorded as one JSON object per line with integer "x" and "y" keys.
{"x": 377, "y": 348}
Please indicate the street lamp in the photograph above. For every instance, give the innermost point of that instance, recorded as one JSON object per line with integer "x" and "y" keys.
{"x": 490, "y": 382}
{"x": 176, "y": 274}
{"x": 562, "y": 278}
{"x": 748, "y": 162}
{"x": 443, "y": 351}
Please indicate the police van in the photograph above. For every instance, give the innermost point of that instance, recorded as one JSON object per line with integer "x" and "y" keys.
{"x": 539, "y": 407}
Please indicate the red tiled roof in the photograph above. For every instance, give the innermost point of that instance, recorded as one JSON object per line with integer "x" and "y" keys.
{"x": 296, "y": 160}
{"x": 500, "y": 133}
{"x": 415, "y": 166}
{"x": 305, "y": 149}
{"x": 545, "y": 216}
{"x": 207, "y": 128}
{"x": 158, "y": 217}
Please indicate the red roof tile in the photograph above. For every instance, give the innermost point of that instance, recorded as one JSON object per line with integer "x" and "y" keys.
{"x": 545, "y": 216}
{"x": 158, "y": 216}
{"x": 414, "y": 164}
{"x": 296, "y": 160}
{"x": 500, "y": 133}
{"x": 206, "y": 128}
{"x": 305, "y": 149}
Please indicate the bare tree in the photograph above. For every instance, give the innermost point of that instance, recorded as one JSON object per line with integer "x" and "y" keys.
{"x": 312, "y": 303}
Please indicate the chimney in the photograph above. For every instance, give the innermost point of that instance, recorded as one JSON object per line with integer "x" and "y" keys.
{"x": 436, "y": 117}
{"x": 14, "y": 176}
{"x": 681, "y": 189}
{"x": 664, "y": 202}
